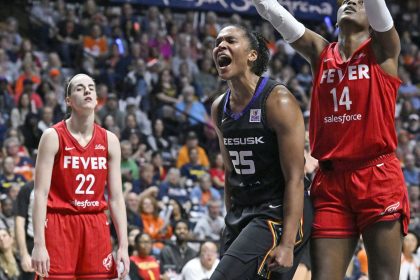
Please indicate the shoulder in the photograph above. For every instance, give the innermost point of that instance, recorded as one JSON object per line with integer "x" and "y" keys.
{"x": 216, "y": 103}
{"x": 280, "y": 95}
{"x": 282, "y": 107}
{"x": 112, "y": 138}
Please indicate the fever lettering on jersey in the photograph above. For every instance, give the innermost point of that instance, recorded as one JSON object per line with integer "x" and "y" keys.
{"x": 80, "y": 174}
{"x": 75, "y": 162}
{"x": 352, "y": 72}
{"x": 352, "y": 106}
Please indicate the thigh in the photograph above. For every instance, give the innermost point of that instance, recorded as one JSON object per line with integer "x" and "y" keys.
{"x": 379, "y": 194}
{"x": 96, "y": 260}
{"x": 330, "y": 257}
{"x": 383, "y": 243}
{"x": 232, "y": 268}
{"x": 333, "y": 217}
{"x": 61, "y": 240}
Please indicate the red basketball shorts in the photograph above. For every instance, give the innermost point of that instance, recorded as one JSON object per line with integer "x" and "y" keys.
{"x": 79, "y": 246}
{"x": 346, "y": 200}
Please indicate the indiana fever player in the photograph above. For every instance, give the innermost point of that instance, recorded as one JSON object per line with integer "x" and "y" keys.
{"x": 359, "y": 188}
{"x": 261, "y": 136}
{"x": 76, "y": 160}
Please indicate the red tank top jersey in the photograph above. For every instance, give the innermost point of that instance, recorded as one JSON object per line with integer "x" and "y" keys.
{"x": 79, "y": 174}
{"x": 352, "y": 107}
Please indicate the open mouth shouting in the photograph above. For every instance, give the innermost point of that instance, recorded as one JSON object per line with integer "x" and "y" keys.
{"x": 223, "y": 61}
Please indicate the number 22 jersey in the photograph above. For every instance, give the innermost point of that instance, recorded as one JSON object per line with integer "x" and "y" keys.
{"x": 352, "y": 106}
{"x": 79, "y": 174}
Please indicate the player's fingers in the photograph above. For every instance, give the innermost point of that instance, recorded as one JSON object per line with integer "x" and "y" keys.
{"x": 48, "y": 265}
{"x": 44, "y": 269}
{"x": 127, "y": 267}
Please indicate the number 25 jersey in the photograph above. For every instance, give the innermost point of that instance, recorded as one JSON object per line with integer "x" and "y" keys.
{"x": 79, "y": 174}
{"x": 252, "y": 149}
{"x": 352, "y": 106}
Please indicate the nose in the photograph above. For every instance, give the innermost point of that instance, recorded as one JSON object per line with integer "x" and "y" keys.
{"x": 352, "y": 2}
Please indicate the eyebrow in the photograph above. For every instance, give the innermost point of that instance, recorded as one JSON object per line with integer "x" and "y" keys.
{"x": 82, "y": 85}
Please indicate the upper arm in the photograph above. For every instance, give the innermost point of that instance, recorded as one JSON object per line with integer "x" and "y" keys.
{"x": 310, "y": 46}
{"x": 114, "y": 167}
{"x": 224, "y": 152}
{"x": 387, "y": 47}
{"x": 47, "y": 149}
{"x": 285, "y": 118}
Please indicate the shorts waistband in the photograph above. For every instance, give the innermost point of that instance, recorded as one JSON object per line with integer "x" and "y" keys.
{"x": 330, "y": 165}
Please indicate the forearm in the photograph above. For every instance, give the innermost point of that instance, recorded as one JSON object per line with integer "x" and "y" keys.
{"x": 119, "y": 219}
{"x": 20, "y": 236}
{"x": 39, "y": 216}
{"x": 378, "y": 15}
{"x": 292, "y": 211}
{"x": 281, "y": 19}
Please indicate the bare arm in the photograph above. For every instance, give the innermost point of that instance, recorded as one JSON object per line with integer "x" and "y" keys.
{"x": 226, "y": 159}
{"x": 116, "y": 201}
{"x": 285, "y": 118}
{"x": 386, "y": 42}
{"x": 25, "y": 258}
{"x": 48, "y": 147}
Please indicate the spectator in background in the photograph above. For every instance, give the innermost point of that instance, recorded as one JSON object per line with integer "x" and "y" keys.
{"x": 410, "y": 171}
{"x": 193, "y": 170}
{"x": 129, "y": 167}
{"x": 9, "y": 177}
{"x": 154, "y": 225}
{"x": 176, "y": 254}
{"x": 158, "y": 141}
{"x": 6, "y": 213}
{"x": 159, "y": 169}
{"x": 183, "y": 154}
{"x": 24, "y": 107}
{"x": 111, "y": 107}
{"x": 47, "y": 118}
{"x": 217, "y": 173}
{"x": 145, "y": 180}
{"x": 69, "y": 40}
{"x": 202, "y": 267}
{"x": 24, "y": 230}
{"x": 147, "y": 266}
{"x": 9, "y": 268}
{"x": 6, "y": 99}
{"x": 31, "y": 133}
{"x": 211, "y": 225}
{"x": 132, "y": 203}
{"x": 410, "y": 262}
{"x": 95, "y": 44}
{"x": 191, "y": 113}
{"x": 173, "y": 188}
{"x": 28, "y": 88}
{"x": 23, "y": 164}
{"x": 204, "y": 192}
{"x": 205, "y": 80}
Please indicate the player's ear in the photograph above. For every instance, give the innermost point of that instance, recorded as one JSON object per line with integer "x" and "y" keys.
{"x": 252, "y": 56}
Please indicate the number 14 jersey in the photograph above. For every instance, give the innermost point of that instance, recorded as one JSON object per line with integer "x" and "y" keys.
{"x": 352, "y": 106}
{"x": 79, "y": 174}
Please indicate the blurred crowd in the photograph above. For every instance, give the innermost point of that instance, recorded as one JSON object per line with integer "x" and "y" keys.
{"x": 155, "y": 80}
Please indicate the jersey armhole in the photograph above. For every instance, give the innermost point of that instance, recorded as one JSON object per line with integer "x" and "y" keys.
{"x": 220, "y": 111}
{"x": 264, "y": 102}
{"x": 57, "y": 155}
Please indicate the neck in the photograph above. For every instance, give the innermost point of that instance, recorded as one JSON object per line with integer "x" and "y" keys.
{"x": 349, "y": 41}
{"x": 81, "y": 124}
{"x": 242, "y": 88}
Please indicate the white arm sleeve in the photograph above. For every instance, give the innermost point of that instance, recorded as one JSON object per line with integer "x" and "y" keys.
{"x": 281, "y": 19}
{"x": 378, "y": 15}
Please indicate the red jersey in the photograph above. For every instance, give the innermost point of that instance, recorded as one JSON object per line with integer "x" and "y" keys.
{"x": 147, "y": 267}
{"x": 79, "y": 174}
{"x": 352, "y": 107}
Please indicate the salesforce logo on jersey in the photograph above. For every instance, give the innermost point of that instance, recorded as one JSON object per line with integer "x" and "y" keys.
{"x": 302, "y": 9}
{"x": 85, "y": 203}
